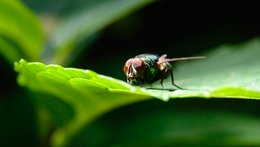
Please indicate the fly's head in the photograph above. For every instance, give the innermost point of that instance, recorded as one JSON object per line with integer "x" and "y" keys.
{"x": 134, "y": 69}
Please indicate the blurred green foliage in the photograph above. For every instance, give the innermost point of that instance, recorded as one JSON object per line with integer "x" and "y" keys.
{"x": 21, "y": 34}
{"x": 100, "y": 35}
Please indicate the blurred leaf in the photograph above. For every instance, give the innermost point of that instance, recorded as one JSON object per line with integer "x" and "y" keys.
{"x": 180, "y": 122}
{"x": 226, "y": 73}
{"x": 20, "y": 32}
{"x": 230, "y": 71}
{"x": 81, "y": 26}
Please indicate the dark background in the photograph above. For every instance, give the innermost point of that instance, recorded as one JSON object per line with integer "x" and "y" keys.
{"x": 177, "y": 28}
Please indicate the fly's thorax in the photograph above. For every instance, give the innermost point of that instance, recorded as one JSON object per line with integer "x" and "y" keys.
{"x": 148, "y": 57}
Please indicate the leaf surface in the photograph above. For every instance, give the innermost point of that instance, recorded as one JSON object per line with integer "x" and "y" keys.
{"x": 231, "y": 71}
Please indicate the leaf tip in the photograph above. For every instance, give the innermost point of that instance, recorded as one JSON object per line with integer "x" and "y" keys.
{"x": 18, "y": 64}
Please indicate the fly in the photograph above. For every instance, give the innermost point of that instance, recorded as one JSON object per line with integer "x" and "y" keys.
{"x": 149, "y": 68}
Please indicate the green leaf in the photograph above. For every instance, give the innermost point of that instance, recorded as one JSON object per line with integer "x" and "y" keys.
{"x": 85, "y": 91}
{"x": 83, "y": 24}
{"x": 180, "y": 122}
{"x": 20, "y": 32}
{"x": 230, "y": 72}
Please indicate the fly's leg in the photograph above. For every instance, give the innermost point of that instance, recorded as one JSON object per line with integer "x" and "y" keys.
{"x": 142, "y": 84}
{"x": 172, "y": 78}
{"x": 162, "y": 83}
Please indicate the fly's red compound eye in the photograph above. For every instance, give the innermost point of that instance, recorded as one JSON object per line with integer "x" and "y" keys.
{"x": 137, "y": 63}
{"x": 134, "y": 64}
{"x": 127, "y": 66}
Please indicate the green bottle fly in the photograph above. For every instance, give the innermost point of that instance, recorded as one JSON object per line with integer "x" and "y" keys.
{"x": 149, "y": 68}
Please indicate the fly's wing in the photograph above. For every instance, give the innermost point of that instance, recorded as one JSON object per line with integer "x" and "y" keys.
{"x": 163, "y": 56}
{"x": 164, "y": 59}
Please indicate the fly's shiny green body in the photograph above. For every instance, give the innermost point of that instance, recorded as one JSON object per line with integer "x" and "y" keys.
{"x": 153, "y": 70}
